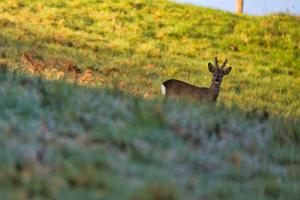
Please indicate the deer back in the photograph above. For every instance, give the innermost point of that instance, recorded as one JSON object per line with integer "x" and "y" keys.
{"x": 174, "y": 88}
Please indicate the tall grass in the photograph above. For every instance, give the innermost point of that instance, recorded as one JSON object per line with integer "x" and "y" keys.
{"x": 82, "y": 118}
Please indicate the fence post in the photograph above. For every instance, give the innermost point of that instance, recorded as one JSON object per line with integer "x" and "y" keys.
{"x": 239, "y": 6}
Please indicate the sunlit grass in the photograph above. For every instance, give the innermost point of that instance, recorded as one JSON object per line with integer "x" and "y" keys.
{"x": 119, "y": 40}
{"x": 101, "y": 129}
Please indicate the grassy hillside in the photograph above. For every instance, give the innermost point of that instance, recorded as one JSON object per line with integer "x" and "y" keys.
{"x": 82, "y": 116}
{"x": 61, "y": 141}
{"x": 135, "y": 45}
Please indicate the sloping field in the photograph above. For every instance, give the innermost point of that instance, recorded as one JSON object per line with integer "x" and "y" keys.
{"x": 61, "y": 141}
{"x": 82, "y": 116}
{"x": 135, "y": 45}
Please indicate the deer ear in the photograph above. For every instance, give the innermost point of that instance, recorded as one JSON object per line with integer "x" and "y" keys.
{"x": 211, "y": 68}
{"x": 227, "y": 70}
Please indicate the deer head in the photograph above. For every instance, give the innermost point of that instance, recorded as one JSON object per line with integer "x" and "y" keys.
{"x": 218, "y": 73}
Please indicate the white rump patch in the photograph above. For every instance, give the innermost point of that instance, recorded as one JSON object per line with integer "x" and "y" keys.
{"x": 163, "y": 89}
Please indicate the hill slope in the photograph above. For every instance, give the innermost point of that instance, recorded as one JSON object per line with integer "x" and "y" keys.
{"x": 137, "y": 44}
{"x": 60, "y": 140}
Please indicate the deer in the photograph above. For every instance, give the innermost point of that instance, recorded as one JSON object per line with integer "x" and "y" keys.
{"x": 178, "y": 89}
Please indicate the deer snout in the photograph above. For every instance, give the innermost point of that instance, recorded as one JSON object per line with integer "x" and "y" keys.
{"x": 217, "y": 81}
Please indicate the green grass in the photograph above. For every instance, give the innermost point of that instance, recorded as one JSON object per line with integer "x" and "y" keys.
{"x": 61, "y": 141}
{"x": 106, "y": 132}
{"x": 139, "y": 44}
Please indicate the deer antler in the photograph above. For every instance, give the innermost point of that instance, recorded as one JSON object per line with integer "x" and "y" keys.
{"x": 224, "y": 64}
{"x": 216, "y": 63}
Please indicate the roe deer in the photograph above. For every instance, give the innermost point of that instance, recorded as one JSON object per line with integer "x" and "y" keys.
{"x": 176, "y": 89}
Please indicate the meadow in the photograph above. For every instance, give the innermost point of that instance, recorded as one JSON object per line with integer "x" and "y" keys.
{"x": 82, "y": 116}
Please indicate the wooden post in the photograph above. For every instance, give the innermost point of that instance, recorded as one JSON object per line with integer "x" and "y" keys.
{"x": 239, "y": 6}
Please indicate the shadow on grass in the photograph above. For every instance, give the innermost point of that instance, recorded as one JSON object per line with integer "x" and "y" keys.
{"x": 63, "y": 141}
